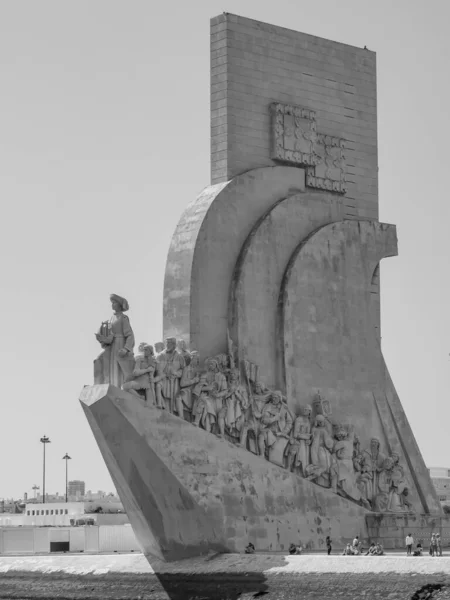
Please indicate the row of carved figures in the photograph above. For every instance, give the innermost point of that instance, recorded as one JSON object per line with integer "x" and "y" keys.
{"x": 249, "y": 414}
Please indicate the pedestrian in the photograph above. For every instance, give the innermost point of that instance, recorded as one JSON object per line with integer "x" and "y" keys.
{"x": 438, "y": 545}
{"x": 409, "y": 541}
{"x": 433, "y": 545}
{"x": 328, "y": 543}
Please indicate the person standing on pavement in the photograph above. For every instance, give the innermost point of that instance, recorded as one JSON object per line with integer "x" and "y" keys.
{"x": 328, "y": 543}
{"x": 409, "y": 541}
{"x": 438, "y": 545}
{"x": 433, "y": 545}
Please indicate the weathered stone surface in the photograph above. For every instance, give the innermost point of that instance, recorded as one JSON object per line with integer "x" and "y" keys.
{"x": 206, "y": 246}
{"x": 185, "y": 490}
{"x": 255, "y": 64}
{"x": 169, "y": 524}
{"x": 259, "y": 271}
{"x": 391, "y": 530}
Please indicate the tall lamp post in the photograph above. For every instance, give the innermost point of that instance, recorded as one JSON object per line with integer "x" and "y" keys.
{"x": 44, "y": 440}
{"x": 66, "y": 457}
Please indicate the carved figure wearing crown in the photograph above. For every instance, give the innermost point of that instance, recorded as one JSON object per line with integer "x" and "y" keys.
{"x": 116, "y": 362}
{"x": 170, "y": 369}
{"x": 142, "y": 378}
{"x": 297, "y": 452}
{"x": 276, "y": 422}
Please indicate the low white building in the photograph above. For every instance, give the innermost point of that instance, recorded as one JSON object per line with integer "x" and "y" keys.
{"x": 53, "y": 513}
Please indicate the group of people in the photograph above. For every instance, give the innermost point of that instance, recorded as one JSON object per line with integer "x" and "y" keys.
{"x": 435, "y": 546}
{"x": 229, "y": 400}
{"x": 375, "y": 549}
{"x": 355, "y": 549}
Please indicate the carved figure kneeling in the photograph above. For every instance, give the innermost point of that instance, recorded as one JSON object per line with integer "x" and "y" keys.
{"x": 142, "y": 378}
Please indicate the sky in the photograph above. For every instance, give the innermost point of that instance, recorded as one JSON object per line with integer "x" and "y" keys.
{"x": 104, "y": 139}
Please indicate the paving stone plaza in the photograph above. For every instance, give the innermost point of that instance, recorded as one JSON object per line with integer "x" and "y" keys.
{"x": 275, "y": 577}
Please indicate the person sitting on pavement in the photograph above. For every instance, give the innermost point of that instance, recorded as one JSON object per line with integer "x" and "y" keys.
{"x": 295, "y": 549}
{"x": 379, "y": 550}
{"x": 250, "y": 548}
{"x": 372, "y": 549}
{"x": 347, "y": 550}
{"x": 418, "y": 550}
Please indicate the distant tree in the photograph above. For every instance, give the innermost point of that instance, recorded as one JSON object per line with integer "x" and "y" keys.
{"x": 446, "y": 509}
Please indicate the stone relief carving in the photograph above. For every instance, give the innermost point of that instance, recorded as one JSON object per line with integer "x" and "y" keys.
{"x": 142, "y": 378}
{"x": 296, "y": 141}
{"x": 169, "y": 371}
{"x": 227, "y": 398}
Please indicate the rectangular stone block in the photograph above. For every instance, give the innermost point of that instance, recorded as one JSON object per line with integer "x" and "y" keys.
{"x": 262, "y": 64}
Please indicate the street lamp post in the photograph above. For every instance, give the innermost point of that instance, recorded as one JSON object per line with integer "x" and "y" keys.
{"x": 66, "y": 457}
{"x": 44, "y": 440}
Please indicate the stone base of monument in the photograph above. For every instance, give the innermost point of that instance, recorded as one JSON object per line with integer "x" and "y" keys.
{"x": 188, "y": 492}
{"x": 391, "y": 529}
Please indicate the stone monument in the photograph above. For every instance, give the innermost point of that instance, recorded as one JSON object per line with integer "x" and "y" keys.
{"x": 269, "y": 416}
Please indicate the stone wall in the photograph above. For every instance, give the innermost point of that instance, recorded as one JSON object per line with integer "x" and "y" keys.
{"x": 391, "y": 530}
{"x": 254, "y": 64}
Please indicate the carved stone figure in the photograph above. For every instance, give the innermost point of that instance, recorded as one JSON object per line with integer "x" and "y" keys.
{"x": 397, "y": 499}
{"x": 183, "y": 350}
{"x": 205, "y": 407}
{"x": 384, "y": 480}
{"x": 374, "y": 465}
{"x": 323, "y": 407}
{"x": 142, "y": 377}
{"x": 223, "y": 361}
{"x": 214, "y": 375}
{"x": 297, "y": 452}
{"x": 234, "y": 402}
{"x": 363, "y": 474}
{"x": 253, "y": 414}
{"x": 321, "y": 447}
{"x": 276, "y": 422}
{"x": 159, "y": 347}
{"x": 342, "y": 471}
{"x": 170, "y": 369}
{"x": 115, "y": 364}
{"x": 189, "y": 378}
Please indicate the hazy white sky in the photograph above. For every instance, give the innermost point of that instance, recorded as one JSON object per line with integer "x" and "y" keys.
{"x": 104, "y": 139}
